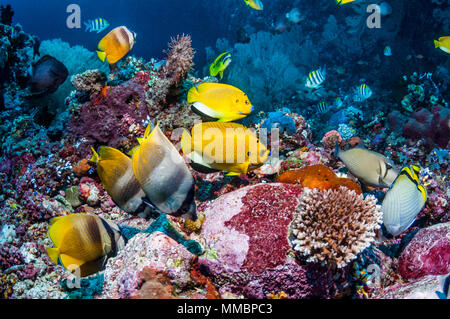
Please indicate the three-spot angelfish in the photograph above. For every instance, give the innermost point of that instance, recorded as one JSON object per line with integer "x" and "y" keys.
{"x": 404, "y": 200}
{"x": 443, "y": 43}
{"x": 221, "y": 102}
{"x": 362, "y": 93}
{"x": 230, "y": 147}
{"x": 316, "y": 78}
{"x": 98, "y": 25}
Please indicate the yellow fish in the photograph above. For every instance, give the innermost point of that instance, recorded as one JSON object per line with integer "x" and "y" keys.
{"x": 217, "y": 101}
{"x": 341, "y": 2}
{"x": 404, "y": 200}
{"x": 220, "y": 64}
{"x": 116, "y": 44}
{"x": 230, "y": 147}
{"x": 115, "y": 170}
{"x": 164, "y": 176}
{"x": 255, "y": 4}
{"x": 83, "y": 242}
{"x": 443, "y": 43}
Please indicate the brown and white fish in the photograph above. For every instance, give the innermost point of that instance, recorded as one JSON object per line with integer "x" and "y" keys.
{"x": 116, "y": 44}
{"x": 371, "y": 168}
{"x": 164, "y": 176}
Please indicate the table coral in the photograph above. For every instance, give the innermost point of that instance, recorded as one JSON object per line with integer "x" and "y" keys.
{"x": 334, "y": 226}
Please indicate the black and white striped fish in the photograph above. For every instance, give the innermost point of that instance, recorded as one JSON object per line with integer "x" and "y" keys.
{"x": 362, "y": 93}
{"x": 316, "y": 78}
{"x": 98, "y": 25}
{"x": 323, "y": 107}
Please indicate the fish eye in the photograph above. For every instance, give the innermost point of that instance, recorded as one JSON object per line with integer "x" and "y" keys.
{"x": 237, "y": 101}
{"x": 249, "y": 153}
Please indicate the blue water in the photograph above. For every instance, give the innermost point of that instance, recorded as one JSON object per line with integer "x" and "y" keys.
{"x": 155, "y": 22}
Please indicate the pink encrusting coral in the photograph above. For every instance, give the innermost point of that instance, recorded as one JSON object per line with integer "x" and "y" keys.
{"x": 246, "y": 233}
{"x": 156, "y": 251}
{"x": 428, "y": 253}
{"x": 334, "y": 226}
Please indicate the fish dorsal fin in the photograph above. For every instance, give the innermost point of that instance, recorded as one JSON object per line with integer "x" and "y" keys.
{"x": 95, "y": 158}
{"x": 113, "y": 165}
{"x": 147, "y": 132}
{"x": 186, "y": 142}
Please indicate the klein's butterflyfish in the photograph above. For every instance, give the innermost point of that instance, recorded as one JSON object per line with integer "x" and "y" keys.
{"x": 164, "y": 176}
{"x": 83, "y": 242}
{"x": 116, "y": 44}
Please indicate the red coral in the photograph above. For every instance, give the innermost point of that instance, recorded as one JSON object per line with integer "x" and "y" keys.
{"x": 265, "y": 218}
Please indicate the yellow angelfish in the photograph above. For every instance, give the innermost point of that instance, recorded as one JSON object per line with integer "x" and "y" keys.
{"x": 164, "y": 176}
{"x": 116, "y": 44}
{"x": 221, "y": 102}
{"x": 341, "y": 2}
{"x": 443, "y": 43}
{"x": 220, "y": 64}
{"x": 404, "y": 200}
{"x": 255, "y": 4}
{"x": 83, "y": 242}
{"x": 115, "y": 170}
{"x": 229, "y": 147}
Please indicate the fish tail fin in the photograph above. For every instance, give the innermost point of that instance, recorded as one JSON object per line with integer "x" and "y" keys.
{"x": 186, "y": 142}
{"x": 436, "y": 43}
{"x": 101, "y": 55}
{"x": 53, "y": 253}
{"x": 336, "y": 151}
{"x": 87, "y": 25}
{"x": 95, "y": 156}
{"x": 221, "y": 74}
{"x": 192, "y": 95}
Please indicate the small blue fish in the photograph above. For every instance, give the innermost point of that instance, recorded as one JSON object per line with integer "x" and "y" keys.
{"x": 387, "y": 51}
{"x": 323, "y": 107}
{"x": 98, "y": 25}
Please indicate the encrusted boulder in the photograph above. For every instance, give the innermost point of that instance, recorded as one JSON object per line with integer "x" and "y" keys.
{"x": 428, "y": 253}
{"x": 247, "y": 247}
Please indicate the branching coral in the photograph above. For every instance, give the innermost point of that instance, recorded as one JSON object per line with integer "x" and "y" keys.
{"x": 334, "y": 226}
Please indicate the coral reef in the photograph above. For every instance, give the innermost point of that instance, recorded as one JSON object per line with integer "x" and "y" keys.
{"x": 247, "y": 252}
{"x": 334, "y": 225}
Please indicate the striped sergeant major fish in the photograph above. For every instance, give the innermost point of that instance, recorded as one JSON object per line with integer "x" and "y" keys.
{"x": 323, "y": 107}
{"x": 316, "y": 78}
{"x": 362, "y": 93}
{"x": 98, "y": 25}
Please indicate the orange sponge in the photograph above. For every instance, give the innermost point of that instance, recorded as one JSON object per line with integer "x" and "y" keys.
{"x": 318, "y": 176}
